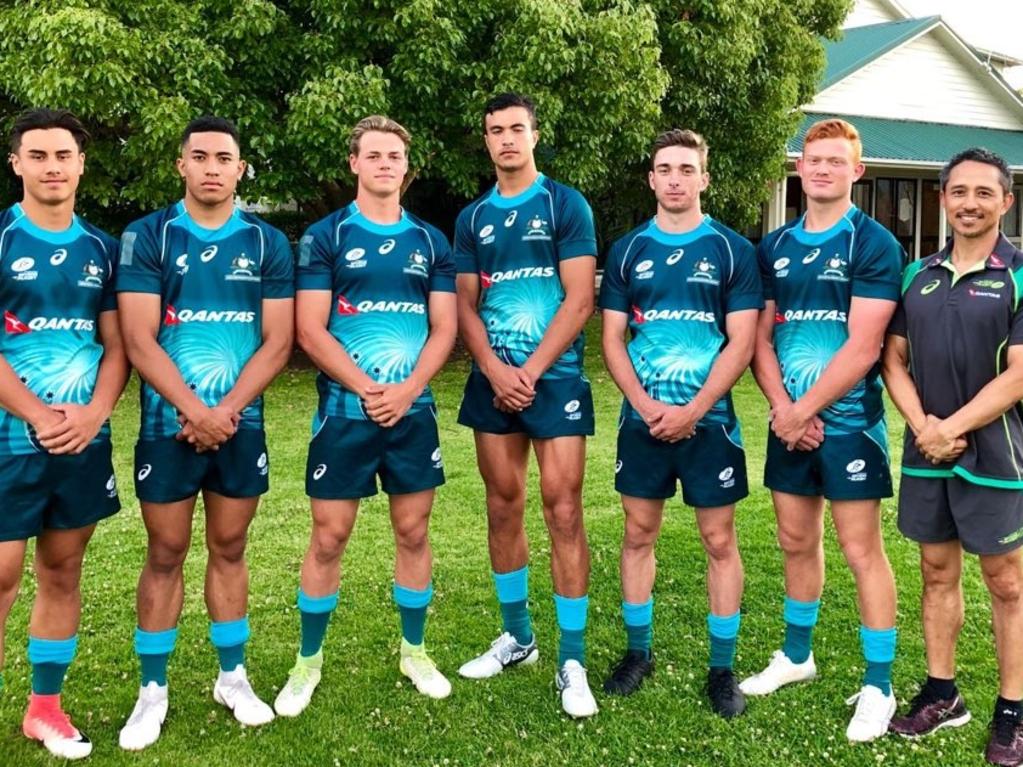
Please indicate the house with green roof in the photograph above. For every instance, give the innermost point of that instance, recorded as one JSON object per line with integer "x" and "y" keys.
{"x": 918, "y": 93}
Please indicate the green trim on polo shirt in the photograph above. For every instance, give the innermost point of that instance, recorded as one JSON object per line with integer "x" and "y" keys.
{"x": 1003, "y": 484}
{"x": 911, "y": 272}
{"x": 911, "y": 471}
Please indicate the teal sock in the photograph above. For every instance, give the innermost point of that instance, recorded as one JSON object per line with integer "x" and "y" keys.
{"x": 571, "y": 613}
{"x": 800, "y": 619}
{"x": 412, "y": 604}
{"x": 724, "y": 632}
{"x": 50, "y": 659}
{"x": 315, "y": 614}
{"x": 154, "y": 649}
{"x": 513, "y": 596}
{"x": 639, "y": 629}
{"x": 879, "y": 652}
{"x": 229, "y": 637}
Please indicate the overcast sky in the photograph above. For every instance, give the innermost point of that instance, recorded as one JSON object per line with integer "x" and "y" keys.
{"x": 995, "y": 25}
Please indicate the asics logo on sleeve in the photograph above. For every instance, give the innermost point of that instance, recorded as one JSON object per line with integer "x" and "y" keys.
{"x": 319, "y": 471}
{"x": 144, "y": 472}
{"x": 173, "y": 316}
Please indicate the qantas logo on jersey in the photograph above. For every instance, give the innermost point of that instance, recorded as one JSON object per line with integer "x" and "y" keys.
{"x": 639, "y": 316}
{"x": 527, "y": 272}
{"x": 13, "y": 326}
{"x": 809, "y": 315}
{"x": 346, "y": 308}
{"x": 174, "y": 317}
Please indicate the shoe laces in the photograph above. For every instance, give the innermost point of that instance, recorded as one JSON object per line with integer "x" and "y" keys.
{"x": 57, "y": 721}
{"x": 422, "y": 663}
{"x": 720, "y": 683}
{"x": 574, "y": 675}
{"x": 1005, "y": 728}
{"x": 299, "y": 676}
{"x": 869, "y": 701}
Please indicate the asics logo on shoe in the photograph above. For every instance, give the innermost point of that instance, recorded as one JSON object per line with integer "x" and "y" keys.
{"x": 517, "y": 655}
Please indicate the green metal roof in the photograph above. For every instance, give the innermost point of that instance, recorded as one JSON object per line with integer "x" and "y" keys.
{"x": 861, "y": 45}
{"x": 920, "y": 142}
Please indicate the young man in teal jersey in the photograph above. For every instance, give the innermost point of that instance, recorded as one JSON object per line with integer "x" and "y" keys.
{"x": 831, "y": 281}
{"x": 525, "y": 258}
{"x": 688, "y": 290}
{"x": 953, "y": 364}
{"x": 376, "y": 314}
{"x": 62, "y": 368}
{"x": 206, "y": 297}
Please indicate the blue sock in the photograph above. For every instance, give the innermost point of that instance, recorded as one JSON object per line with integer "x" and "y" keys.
{"x": 50, "y": 659}
{"x": 639, "y": 620}
{"x": 571, "y": 614}
{"x": 315, "y": 614}
{"x": 513, "y": 596}
{"x": 412, "y": 604}
{"x": 800, "y": 618}
{"x": 154, "y": 649}
{"x": 879, "y": 652}
{"x": 724, "y": 632}
{"x": 229, "y": 638}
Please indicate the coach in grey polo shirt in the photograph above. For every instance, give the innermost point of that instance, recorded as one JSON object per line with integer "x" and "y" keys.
{"x": 953, "y": 363}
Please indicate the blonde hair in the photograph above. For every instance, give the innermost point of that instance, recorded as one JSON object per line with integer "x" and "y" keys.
{"x": 836, "y": 128}
{"x": 380, "y": 124}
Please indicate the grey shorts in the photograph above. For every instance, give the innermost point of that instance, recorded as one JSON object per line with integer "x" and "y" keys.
{"x": 985, "y": 520}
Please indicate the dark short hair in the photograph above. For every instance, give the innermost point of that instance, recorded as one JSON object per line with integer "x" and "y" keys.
{"x": 44, "y": 119}
{"x": 979, "y": 154}
{"x": 506, "y": 101}
{"x": 211, "y": 124}
{"x": 684, "y": 138}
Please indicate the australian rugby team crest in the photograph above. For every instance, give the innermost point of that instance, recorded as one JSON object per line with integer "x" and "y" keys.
{"x": 242, "y": 269}
{"x": 704, "y": 271}
{"x": 418, "y": 264}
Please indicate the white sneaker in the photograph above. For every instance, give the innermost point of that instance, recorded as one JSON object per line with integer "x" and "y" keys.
{"x": 294, "y": 697}
{"x": 576, "y": 698}
{"x": 874, "y": 710}
{"x": 143, "y": 726}
{"x": 417, "y": 666}
{"x": 233, "y": 690}
{"x": 504, "y": 651}
{"x": 779, "y": 672}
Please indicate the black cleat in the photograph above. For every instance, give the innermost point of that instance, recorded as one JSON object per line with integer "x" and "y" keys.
{"x": 726, "y": 699}
{"x": 628, "y": 675}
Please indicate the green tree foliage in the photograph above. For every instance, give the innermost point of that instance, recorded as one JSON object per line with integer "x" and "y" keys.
{"x": 607, "y": 74}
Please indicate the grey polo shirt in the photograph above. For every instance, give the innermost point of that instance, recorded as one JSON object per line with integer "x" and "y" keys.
{"x": 959, "y": 327}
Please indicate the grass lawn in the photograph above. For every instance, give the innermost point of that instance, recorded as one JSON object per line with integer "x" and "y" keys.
{"x": 365, "y": 713}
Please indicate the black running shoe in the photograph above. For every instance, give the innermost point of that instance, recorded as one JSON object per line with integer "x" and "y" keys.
{"x": 1005, "y": 745}
{"x": 725, "y": 696}
{"x": 928, "y": 714}
{"x": 628, "y": 675}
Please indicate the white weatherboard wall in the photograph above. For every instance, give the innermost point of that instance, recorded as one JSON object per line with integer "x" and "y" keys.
{"x": 922, "y": 80}
{"x": 866, "y": 12}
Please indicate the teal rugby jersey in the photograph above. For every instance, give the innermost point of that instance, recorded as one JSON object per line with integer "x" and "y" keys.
{"x": 515, "y": 245}
{"x": 53, "y": 286}
{"x": 812, "y": 277}
{"x": 677, "y": 289}
{"x": 380, "y": 277}
{"x": 211, "y": 283}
